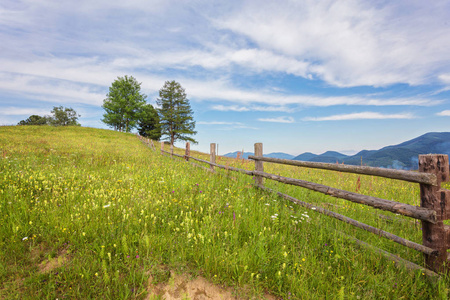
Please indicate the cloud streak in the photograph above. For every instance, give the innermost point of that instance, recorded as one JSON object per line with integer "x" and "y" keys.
{"x": 361, "y": 116}
{"x": 444, "y": 113}
{"x": 278, "y": 120}
{"x": 332, "y": 37}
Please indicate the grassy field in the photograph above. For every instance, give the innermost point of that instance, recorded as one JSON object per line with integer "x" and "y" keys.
{"x": 89, "y": 213}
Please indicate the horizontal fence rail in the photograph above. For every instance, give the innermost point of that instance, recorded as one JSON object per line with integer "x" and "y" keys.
{"x": 390, "y": 236}
{"x": 425, "y": 178}
{"x": 433, "y": 170}
{"x": 383, "y": 204}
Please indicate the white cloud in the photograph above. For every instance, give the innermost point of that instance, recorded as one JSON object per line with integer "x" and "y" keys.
{"x": 361, "y": 116}
{"x": 278, "y": 120}
{"x": 71, "y": 52}
{"x": 237, "y": 108}
{"x": 17, "y": 111}
{"x": 42, "y": 89}
{"x": 445, "y": 113}
{"x": 352, "y": 43}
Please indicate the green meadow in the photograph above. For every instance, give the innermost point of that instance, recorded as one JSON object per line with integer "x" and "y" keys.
{"x": 89, "y": 214}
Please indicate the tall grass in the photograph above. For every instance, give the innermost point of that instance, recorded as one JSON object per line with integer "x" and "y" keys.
{"x": 89, "y": 213}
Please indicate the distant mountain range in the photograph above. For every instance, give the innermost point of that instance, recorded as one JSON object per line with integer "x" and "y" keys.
{"x": 274, "y": 155}
{"x": 402, "y": 156}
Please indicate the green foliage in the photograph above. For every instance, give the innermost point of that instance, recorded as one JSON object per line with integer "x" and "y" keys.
{"x": 34, "y": 120}
{"x": 175, "y": 112}
{"x": 123, "y": 104}
{"x": 63, "y": 116}
{"x": 148, "y": 124}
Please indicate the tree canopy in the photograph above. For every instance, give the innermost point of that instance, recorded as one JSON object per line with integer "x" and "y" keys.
{"x": 123, "y": 104}
{"x": 148, "y": 123}
{"x": 64, "y": 116}
{"x": 175, "y": 113}
{"x": 34, "y": 120}
{"x": 61, "y": 116}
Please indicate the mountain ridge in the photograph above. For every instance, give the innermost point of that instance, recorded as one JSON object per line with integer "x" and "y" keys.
{"x": 401, "y": 156}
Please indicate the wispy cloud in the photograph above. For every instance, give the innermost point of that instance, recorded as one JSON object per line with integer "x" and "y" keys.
{"x": 335, "y": 37}
{"x": 278, "y": 120}
{"x": 237, "y": 108}
{"x": 444, "y": 113}
{"x": 361, "y": 116}
{"x": 17, "y": 111}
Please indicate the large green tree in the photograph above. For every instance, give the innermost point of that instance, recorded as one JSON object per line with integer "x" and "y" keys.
{"x": 123, "y": 104}
{"x": 175, "y": 113}
{"x": 148, "y": 123}
{"x": 64, "y": 116}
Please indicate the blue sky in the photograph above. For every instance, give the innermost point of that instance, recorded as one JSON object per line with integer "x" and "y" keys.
{"x": 297, "y": 76}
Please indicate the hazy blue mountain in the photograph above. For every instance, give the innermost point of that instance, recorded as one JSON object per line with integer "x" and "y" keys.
{"x": 305, "y": 156}
{"x": 402, "y": 156}
{"x": 406, "y": 154}
{"x": 273, "y": 155}
{"x": 279, "y": 155}
{"x": 234, "y": 154}
{"x": 328, "y": 157}
{"x": 333, "y": 154}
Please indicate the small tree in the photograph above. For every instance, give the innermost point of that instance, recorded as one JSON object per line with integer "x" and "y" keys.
{"x": 148, "y": 124}
{"x": 64, "y": 116}
{"x": 175, "y": 113}
{"x": 123, "y": 104}
{"x": 34, "y": 120}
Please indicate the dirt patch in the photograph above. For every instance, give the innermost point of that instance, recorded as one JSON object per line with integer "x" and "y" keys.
{"x": 183, "y": 286}
{"x": 55, "y": 262}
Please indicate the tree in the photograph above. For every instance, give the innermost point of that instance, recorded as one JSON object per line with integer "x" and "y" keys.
{"x": 34, "y": 120}
{"x": 175, "y": 113}
{"x": 64, "y": 116}
{"x": 148, "y": 123}
{"x": 123, "y": 104}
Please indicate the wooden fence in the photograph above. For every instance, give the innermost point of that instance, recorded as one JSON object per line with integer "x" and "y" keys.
{"x": 434, "y": 208}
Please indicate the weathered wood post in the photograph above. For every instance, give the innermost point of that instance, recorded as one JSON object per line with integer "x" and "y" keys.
{"x": 259, "y": 165}
{"x": 212, "y": 151}
{"x": 187, "y": 153}
{"x": 436, "y": 236}
{"x": 162, "y": 147}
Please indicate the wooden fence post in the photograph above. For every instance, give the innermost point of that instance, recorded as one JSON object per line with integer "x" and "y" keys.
{"x": 259, "y": 165}
{"x": 187, "y": 153}
{"x": 212, "y": 151}
{"x": 436, "y": 236}
{"x": 162, "y": 147}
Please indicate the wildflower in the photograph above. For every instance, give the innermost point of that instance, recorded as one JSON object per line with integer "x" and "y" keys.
{"x": 107, "y": 205}
{"x": 25, "y": 238}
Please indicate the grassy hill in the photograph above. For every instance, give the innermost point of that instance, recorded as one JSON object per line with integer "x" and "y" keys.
{"x": 89, "y": 213}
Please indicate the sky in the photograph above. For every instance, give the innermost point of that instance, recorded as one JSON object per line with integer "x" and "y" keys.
{"x": 297, "y": 76}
